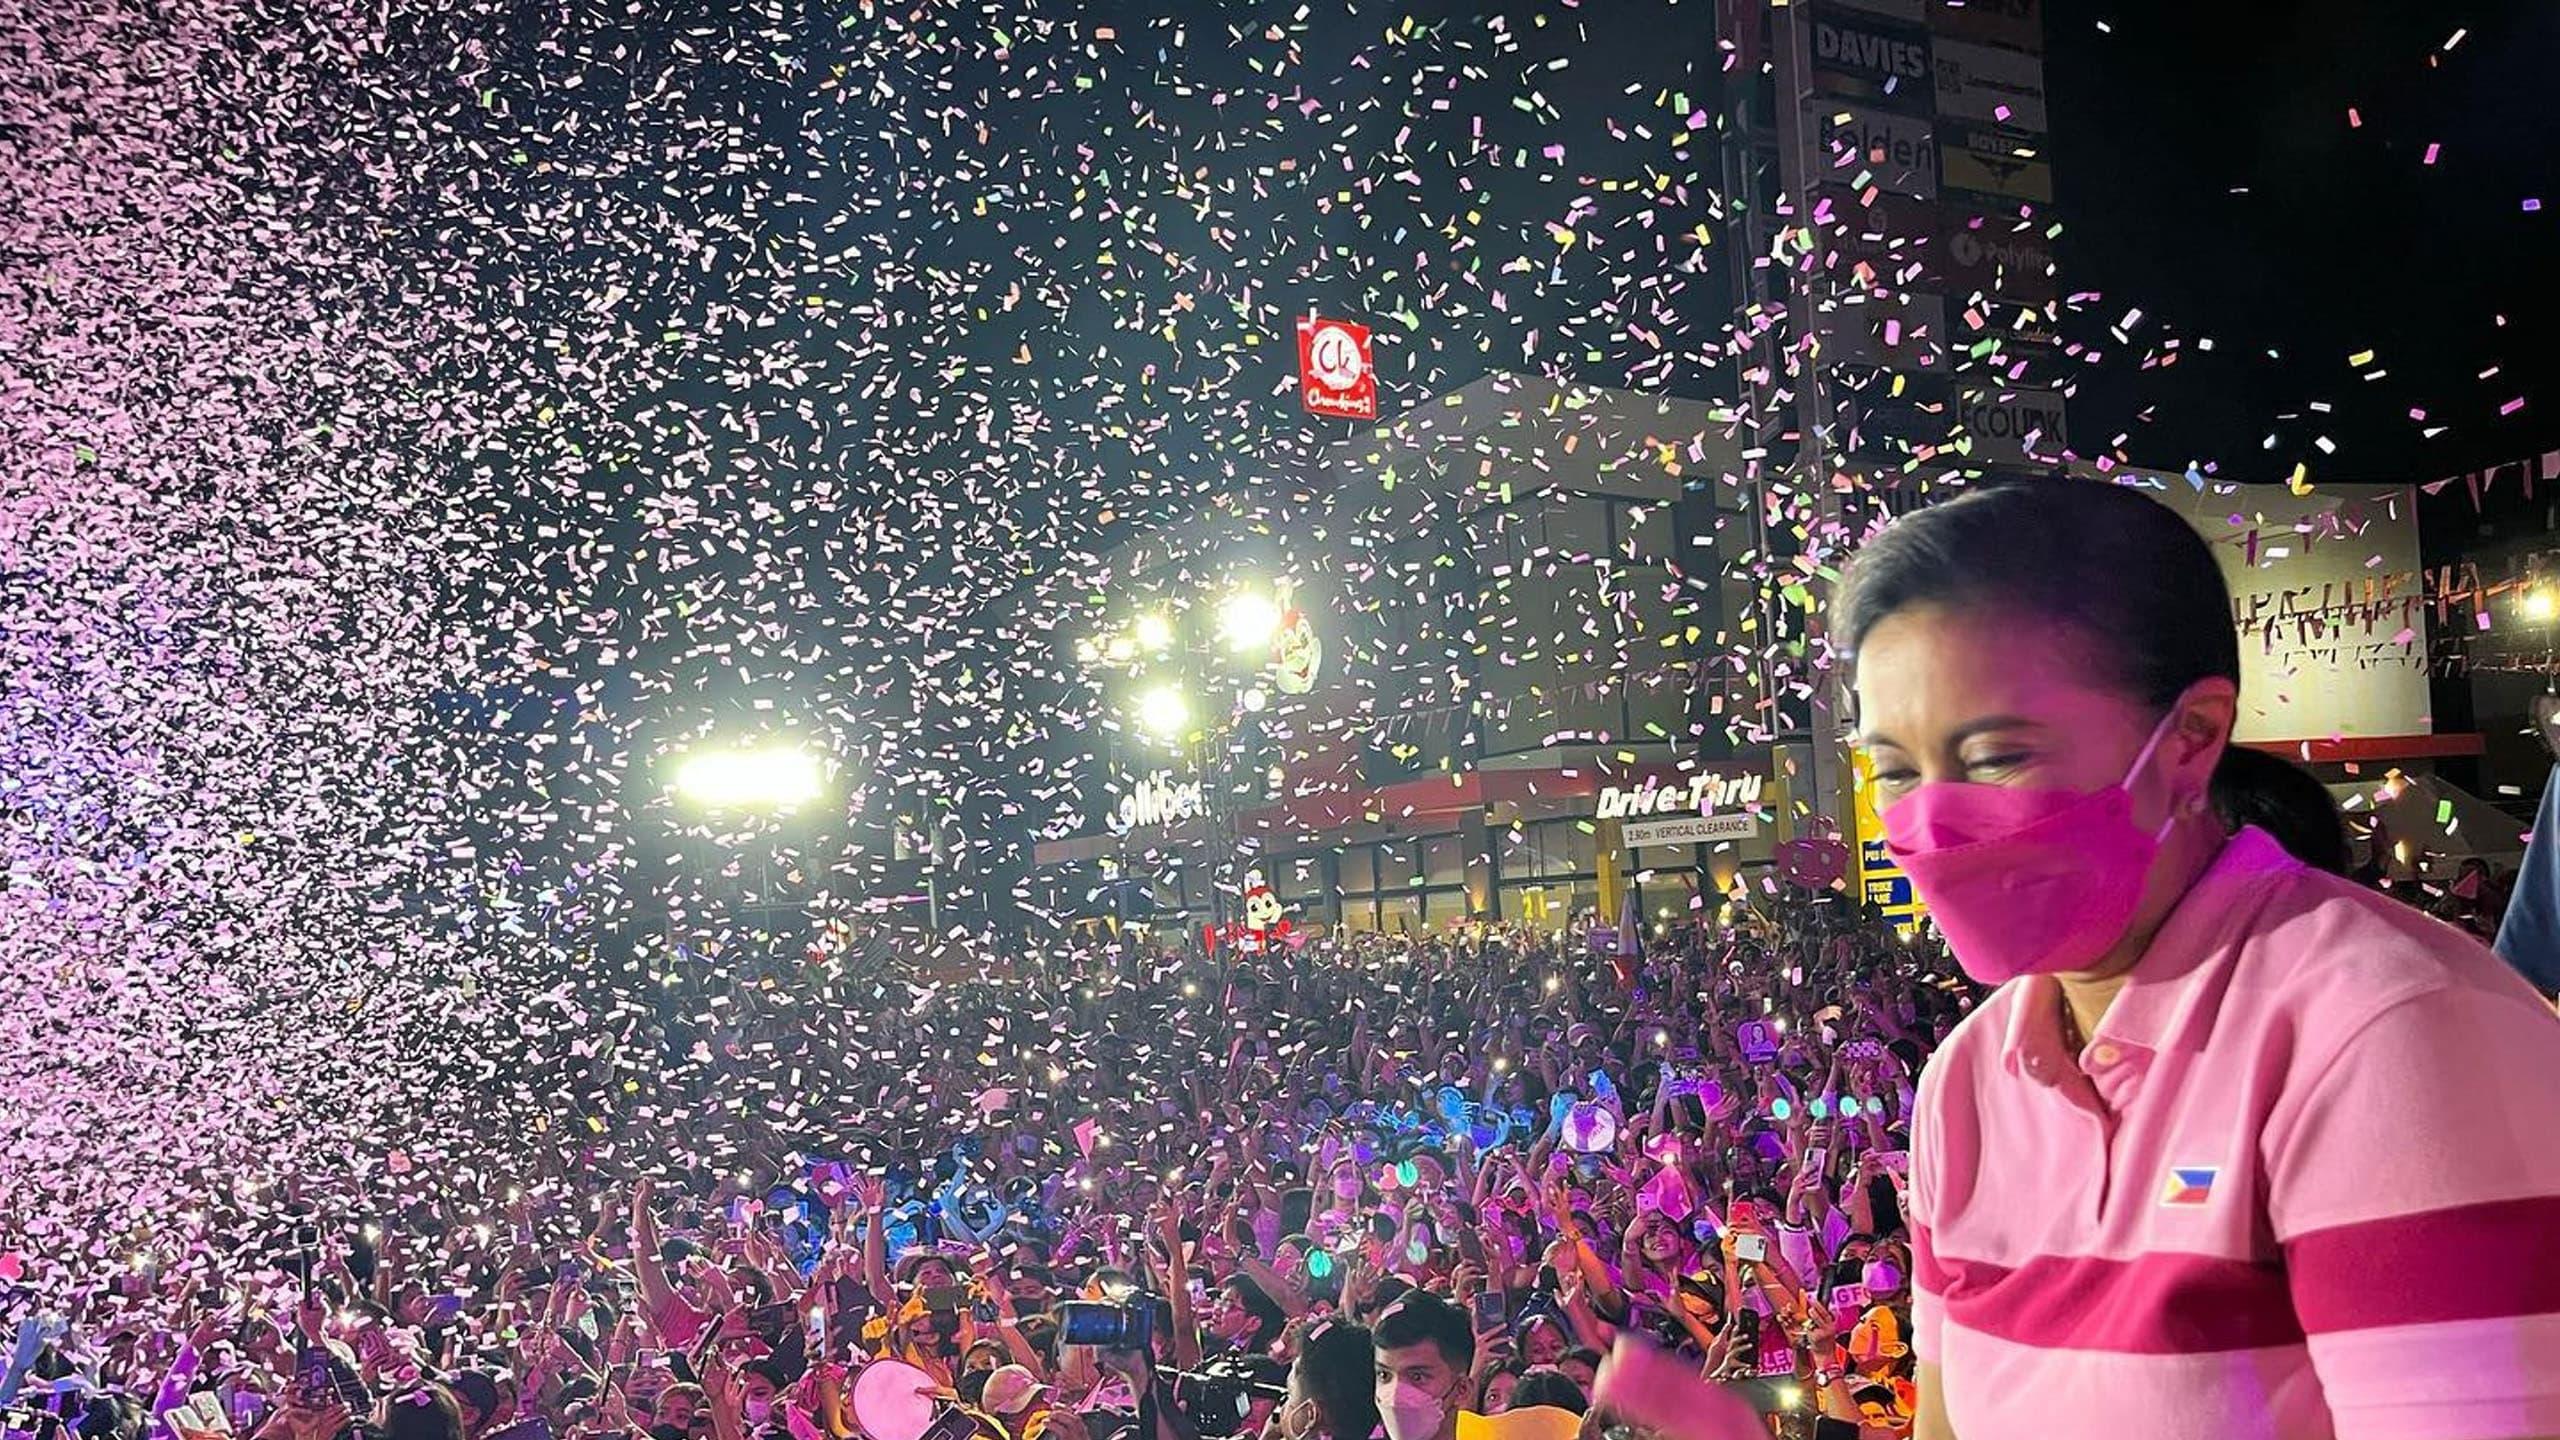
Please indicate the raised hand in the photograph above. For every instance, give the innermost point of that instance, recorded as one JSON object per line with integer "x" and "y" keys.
{"x": 1651, "y": 1390}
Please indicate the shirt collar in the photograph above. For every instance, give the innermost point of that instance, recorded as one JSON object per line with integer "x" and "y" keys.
{"x": 2159, "y": 1007}
{"x": 2033, "y": 1046}
{"x": 2169, "y": 1001}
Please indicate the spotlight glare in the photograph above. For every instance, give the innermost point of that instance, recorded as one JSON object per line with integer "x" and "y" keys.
{"x": 1250, "y": 620}
{"x": 1164, "y": 712}
{"x": 769, "y": 778}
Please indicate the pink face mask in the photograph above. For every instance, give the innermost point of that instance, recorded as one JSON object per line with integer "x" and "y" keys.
{"x": 2027, "y": 881}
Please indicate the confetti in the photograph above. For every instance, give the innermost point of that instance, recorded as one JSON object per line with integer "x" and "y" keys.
{"x": 430, "y": 429}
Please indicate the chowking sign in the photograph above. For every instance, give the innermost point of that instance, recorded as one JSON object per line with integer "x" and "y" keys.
{"x": 1336, "y": 373}
{"x": 1159, "y": 800}
{"x": 1701, "y": 794}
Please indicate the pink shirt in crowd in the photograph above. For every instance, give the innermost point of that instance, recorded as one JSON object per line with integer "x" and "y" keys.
{"x": 2304, "y": 1181}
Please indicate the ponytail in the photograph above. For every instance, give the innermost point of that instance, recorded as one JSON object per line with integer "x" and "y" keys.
{"x": 2252, "y": 787}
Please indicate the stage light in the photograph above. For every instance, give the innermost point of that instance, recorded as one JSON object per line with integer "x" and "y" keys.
{"x": 774, "y": 777}
{"x": 1164, "y": 712}
{"x": 1154, "y": 631}
{"x": 1250, "y": 620}
{"x": 2541, "y": 604}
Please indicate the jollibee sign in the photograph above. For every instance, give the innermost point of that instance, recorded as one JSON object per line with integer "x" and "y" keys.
{"x": 1159, "y": 799}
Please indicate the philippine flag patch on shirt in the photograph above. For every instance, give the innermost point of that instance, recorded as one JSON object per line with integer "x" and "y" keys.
{"x": 2189, "y": 1184}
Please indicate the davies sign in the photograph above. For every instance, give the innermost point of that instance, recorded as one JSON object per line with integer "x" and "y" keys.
{"x": 1159, "y": 800}
{"x": 1702, "y": 792}
{"x": 1879, "y": 55}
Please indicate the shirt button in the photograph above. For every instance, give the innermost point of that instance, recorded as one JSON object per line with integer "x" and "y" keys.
{"x": 2106, "y": 1054}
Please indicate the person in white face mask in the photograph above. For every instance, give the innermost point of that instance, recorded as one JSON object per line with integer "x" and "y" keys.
{"x": 1423, "y": 1350}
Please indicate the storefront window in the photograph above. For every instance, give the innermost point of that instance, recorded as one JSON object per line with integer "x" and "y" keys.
{"x": 1549, "y": 848}
{"x": 1549, "y": 870}
{"x": 1360, "y": 870}
{"x": 1397, "y": 866}
{"x": 1443, "y": 862}
{"x": 1400, "y": 914}
{"x": 1299, "y": 881}
{"x": 1298, "y": 878}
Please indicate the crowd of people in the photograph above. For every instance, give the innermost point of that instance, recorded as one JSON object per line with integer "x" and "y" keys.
{"x": 1374, "y": 1182}
{"x": 1435, "y": 1188}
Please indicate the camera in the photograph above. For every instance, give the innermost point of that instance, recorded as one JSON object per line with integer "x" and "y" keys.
{"x": 1107, "y": 1326}
{"x": 1218, "y": 1397}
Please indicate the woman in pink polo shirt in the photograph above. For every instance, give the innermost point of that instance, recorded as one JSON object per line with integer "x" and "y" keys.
{"x": 2236, "y": 1148}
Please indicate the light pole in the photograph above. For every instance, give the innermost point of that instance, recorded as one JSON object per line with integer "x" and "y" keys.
{"x": 771, "y": 780}
{"x": 1192, "y": 653}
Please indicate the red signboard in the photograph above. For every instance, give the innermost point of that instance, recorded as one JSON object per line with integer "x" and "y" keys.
{"x": 1335, "y": 376}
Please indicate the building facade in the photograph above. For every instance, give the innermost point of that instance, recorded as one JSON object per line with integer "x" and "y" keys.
{"x": 1525, "y": 596}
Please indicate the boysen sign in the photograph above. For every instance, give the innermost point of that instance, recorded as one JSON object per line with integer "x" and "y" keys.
{"x": 2002, "y": 22}
{"x": 1991, "y": 161}
{"x": 1158, "y": 800}
{"x": 1721, "y": 792}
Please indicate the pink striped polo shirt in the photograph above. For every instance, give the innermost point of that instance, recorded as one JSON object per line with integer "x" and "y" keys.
{"x": 2303, "y": 1181}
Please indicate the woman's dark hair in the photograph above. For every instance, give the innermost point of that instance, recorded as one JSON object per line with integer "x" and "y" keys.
{"x": 1549, "y": 1387}
{"x": 2124, "y": 573}
{"x": 1335, "y": 1365}
{"x": 2252, "y": 787}
{"x": 425, "y": 1413}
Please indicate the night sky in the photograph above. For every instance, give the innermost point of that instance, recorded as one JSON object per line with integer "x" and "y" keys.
{"x": 2210, "y": 175}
